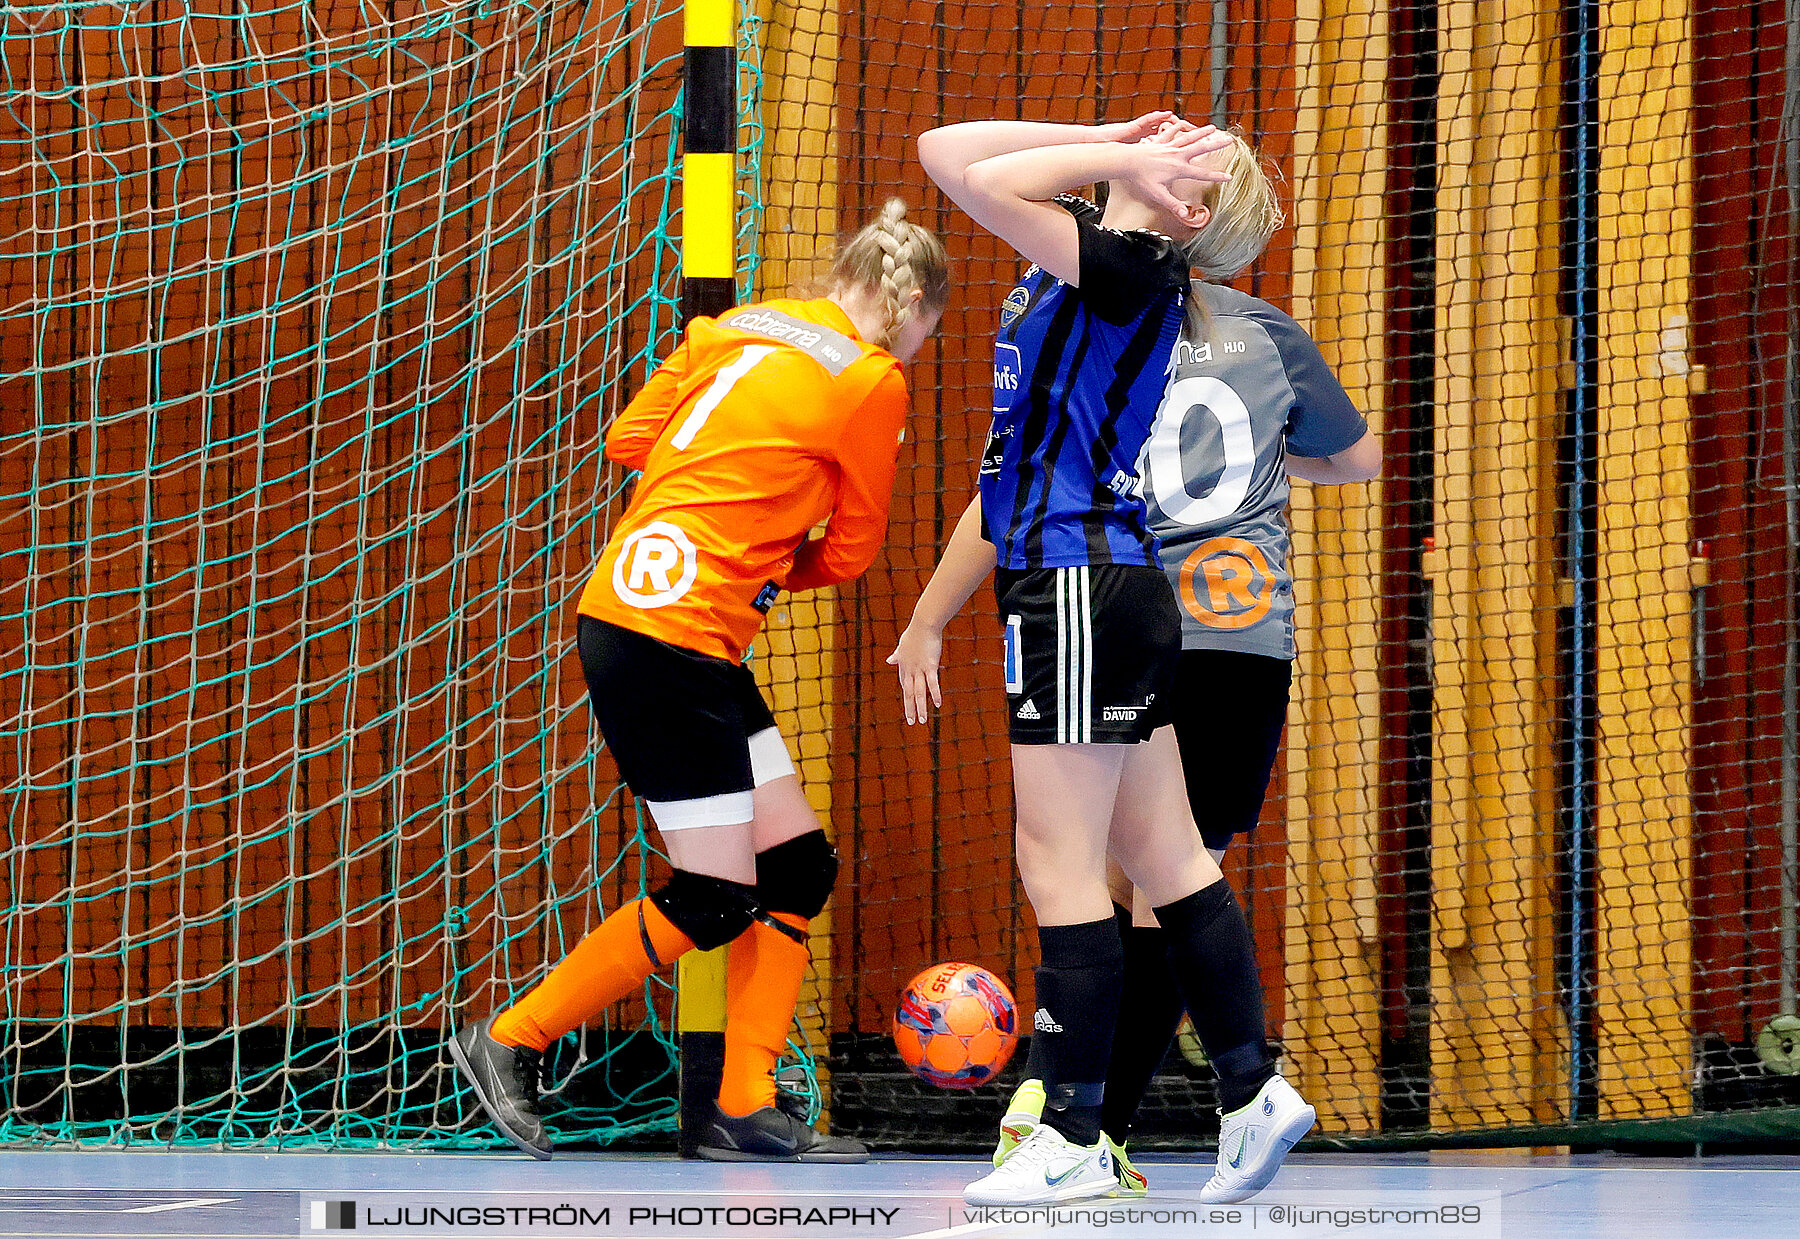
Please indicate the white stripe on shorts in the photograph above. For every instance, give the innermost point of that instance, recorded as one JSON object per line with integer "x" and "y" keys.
{"x": 1088, "y": 658}
{"x": 1072, "y": 652}
{"x": 725, "y": 809}
{"x": 769, "y": 758}
{"x": 1074, "y": 657}
{"x": 1062, "y": 657}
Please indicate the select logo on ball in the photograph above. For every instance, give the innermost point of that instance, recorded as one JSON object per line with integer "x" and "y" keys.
{"x": 956, "y": 1025}
{"x": 656, "y": 565}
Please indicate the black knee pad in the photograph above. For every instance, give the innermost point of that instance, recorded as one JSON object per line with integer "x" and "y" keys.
{"x": 796, "y": 877}
{"x": 710, "y": 911}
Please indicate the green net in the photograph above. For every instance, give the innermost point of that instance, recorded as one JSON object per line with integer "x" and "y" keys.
{"x": 310, "y": 319}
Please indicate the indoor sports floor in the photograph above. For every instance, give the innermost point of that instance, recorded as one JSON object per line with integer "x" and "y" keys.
{"x": 137, "y": 1194}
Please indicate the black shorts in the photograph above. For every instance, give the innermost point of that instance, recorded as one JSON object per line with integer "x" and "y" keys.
{"x": 1229, "y": 711}
{"x": 1089, "y": 654}
{"x": 691, "y": 733}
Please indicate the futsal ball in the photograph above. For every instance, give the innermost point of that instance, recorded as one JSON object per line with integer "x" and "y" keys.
{"x": 956, "y": 1025}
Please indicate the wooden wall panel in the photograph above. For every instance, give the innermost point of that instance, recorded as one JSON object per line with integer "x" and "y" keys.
{"x": 1644, "y": 660}
{"x": 933, "y": 799}
{"x": 1262, "y": 91}
{"x": 1332, "y": 1025}
{"x": 1495, "y": 1018}
{"x": 47, "y": 471}
{"x": 104, "y": 558}
{"x": 802, "y": 638}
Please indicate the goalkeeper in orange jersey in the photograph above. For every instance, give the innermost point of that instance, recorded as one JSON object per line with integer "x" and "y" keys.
{"x": 763, "y": 423}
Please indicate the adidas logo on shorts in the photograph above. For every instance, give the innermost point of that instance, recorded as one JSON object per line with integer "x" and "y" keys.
{"x": 1028, "y": 710}
{"x": 1041, "y": 1022}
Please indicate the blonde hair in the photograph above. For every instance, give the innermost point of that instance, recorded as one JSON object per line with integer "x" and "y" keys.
{"x": 1245, "y": 214}
{"x": 894, "y": 257}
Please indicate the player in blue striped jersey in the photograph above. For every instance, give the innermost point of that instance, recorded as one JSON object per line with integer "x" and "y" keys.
{"x": 1092, "y": 628}
{"x": 1058, "y": 477}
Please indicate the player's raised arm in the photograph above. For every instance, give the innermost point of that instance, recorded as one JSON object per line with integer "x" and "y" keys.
{"x": 1327, "y": 440}
{"x": 1005, "y": 175}
{"x": 947, "y": 152}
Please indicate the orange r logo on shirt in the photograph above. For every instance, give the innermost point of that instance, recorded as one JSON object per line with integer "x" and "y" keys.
{"x": 1240, "y": 588}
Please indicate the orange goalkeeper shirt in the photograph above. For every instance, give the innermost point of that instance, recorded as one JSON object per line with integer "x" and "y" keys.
{"x": 760, "y": 425}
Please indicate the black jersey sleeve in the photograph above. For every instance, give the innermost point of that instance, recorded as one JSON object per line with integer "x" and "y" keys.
{"x": 1123, "y": 273}
{"x": 1323, "y": 420}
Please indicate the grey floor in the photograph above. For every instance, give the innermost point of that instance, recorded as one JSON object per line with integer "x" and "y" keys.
{"x": 136, "y": 1194}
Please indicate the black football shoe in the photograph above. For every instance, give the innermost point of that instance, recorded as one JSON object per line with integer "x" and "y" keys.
{"x": 505, "y": 1079}
{"x": 773, "y": 1134}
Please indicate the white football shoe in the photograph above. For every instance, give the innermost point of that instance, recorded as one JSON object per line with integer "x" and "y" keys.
{"x": 1046, "y": 1169}
{"x": 1254, "y": 1140}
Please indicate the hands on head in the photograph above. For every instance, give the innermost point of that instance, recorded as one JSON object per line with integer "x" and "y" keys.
{"x": 1174, "y": 150}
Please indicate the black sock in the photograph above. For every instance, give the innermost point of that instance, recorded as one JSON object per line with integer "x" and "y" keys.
{"x": 1036, "y": 1046}
{"x": 1078, "y": 1004}
{"x": 1034, "y": 1056}
{"x": 1215, "y": 965}
{"x": 1149, "y": 1011}
{"x": 1034, "y": 1049}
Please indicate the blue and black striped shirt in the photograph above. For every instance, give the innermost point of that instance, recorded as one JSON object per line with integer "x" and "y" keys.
{"x": 1078, "y": 376}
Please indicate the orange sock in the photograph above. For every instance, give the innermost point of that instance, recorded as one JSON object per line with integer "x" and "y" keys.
{"x": 604, "y": 967}
{"x": 762, "y": 984}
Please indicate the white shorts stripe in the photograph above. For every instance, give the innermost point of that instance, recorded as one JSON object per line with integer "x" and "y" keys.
{"x": 1072, "y": 641}
{"x": 1074, "y": 656}
{"x": 1071, "y": 586}
{"x": 1087, "y": 657}
{"x": 1062, "y": 661}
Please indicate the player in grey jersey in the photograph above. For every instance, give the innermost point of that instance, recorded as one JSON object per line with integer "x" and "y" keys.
{"x": 1250, "y": 401}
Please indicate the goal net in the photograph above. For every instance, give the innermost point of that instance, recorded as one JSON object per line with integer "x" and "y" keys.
{"x": 311, "y": 319}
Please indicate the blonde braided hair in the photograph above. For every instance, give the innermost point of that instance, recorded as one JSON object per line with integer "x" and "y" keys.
{"x": 894, "y": 257}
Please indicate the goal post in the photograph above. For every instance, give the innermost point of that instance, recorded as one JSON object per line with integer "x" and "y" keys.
{"x": 708, "y": 289}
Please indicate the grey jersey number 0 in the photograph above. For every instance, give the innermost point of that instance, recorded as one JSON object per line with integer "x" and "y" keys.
{"x": 1250, "y": 389}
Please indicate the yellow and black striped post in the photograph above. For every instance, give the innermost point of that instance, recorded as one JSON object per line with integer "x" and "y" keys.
{"x": 708, "y": 276}
{"x": 708, "y": 164}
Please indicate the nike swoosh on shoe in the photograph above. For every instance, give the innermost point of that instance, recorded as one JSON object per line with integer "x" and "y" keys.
{"x": 1237, "y": 1158}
